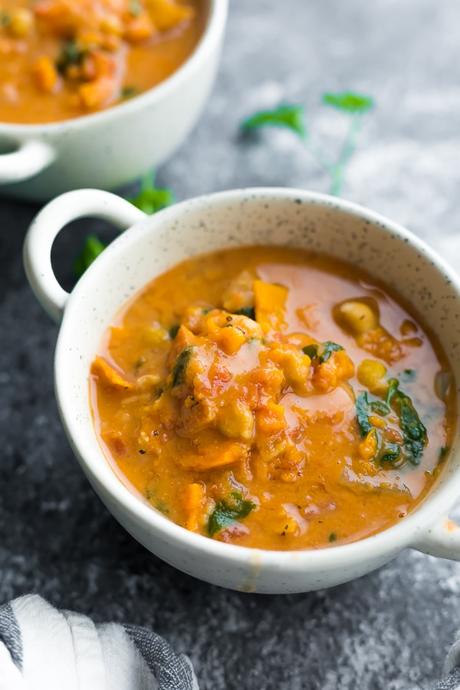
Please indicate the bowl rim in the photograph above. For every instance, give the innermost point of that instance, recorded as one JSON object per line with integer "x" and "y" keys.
{"x": 387, "y": 543}
{"x": 215, "y": 25}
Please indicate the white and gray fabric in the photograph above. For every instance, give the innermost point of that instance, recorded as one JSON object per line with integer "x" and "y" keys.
{"x": 42, "y": 648}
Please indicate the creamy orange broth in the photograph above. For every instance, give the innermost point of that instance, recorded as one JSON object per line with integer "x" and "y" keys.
{"x": 244, "y": 426}
{"x": 64, "y": 58}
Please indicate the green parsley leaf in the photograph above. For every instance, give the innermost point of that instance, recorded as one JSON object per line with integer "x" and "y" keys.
{"x": 91, "y": 250}
{"x": 226, "y": 513}
{"x": 288, "y": 116}
{"x": 332, "y": 537}
{"x": 152, "y": 199}
{"x": 180, "y": 366}
{"x": 349, "y": 102}
{"x": 327, "y": 349}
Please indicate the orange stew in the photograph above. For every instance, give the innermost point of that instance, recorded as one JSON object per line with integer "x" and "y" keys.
{"x": 273, "y": 398}
{"x": 64, "y": 58}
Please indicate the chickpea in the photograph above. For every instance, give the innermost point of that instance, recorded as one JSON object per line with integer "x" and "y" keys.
{"x": 21, "y": 22}
{"x": 237, "y": 421}
{"x": 371, "y": 374}
{"x": 357, "y": 317}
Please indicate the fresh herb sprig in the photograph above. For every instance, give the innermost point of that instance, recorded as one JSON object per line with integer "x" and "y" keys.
{"x": 150, "y": 199}
{"x": 292, "y": 117}
{"x": 229, "y": 511}
{"x": 90, "y": 251}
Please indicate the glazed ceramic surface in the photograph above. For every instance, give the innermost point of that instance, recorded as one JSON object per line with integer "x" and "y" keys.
{"x": 113, "y": 147}
{"x": 266, "y": 216}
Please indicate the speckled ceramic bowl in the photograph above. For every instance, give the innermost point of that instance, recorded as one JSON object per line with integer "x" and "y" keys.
{"x": 269, "y": 216}
{"x": 112, "y": 147}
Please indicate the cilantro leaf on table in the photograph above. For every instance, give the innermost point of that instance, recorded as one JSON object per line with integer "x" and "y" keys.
{"x": 287, "y": 116}
{"x": 227, "y": 512}
{"x": 150, "y": 198}
{"x": 91, "y": 250}
{"x": 349, "y": 101}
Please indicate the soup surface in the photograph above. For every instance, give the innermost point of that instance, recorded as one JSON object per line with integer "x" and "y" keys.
{"x": 273, "y": 398}
{"x": 64, "y": 58}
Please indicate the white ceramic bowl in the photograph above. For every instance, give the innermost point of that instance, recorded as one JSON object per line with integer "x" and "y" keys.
{"x": 115, "y": 146}
{"x": 264, "y": 216}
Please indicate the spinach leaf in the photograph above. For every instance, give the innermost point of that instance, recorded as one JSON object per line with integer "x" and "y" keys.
{"x": 414, "y": 431}
{"x": 362, "y": 414}
{"x": 327, "y": 349}
{"x": 226, "y": 513}
{"x": 391, "y": 452}
{"x": 173, "y": 331}
{"x": 71, "y": 54}
{"x": 91, "y": 250}
{"x": 180, "y": 366}
{"x": 287, "y": 115}
{"x": 250, "y": 312}
{"x": 311, "y": 351}
{"x": 349, "y": 101}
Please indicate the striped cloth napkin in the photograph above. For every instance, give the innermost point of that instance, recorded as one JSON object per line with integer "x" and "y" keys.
{"x": 42, "y": 648}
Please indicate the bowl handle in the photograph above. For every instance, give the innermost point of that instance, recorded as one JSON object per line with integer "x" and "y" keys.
{"x": 50, "y": 221}
{"x": 442, "y": 540}
{"x": 30, "y": 158}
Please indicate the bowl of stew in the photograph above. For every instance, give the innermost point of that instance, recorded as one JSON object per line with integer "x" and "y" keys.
{"x": 261, "y": 385}
{"x": 95, "y": 94}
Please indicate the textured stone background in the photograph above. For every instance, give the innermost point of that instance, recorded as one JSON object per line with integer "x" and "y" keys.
{"x": 388, "y": 631}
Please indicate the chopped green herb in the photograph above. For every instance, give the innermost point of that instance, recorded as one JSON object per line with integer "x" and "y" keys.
{"x": 250, "y": 312}
{"x": 5, "y": 18}
{"x": 150, "y": 198}
{"x": 129, "y": 92}
{"x": 91, "y": 250}
{"x": 362, "y": 414}
{"x": 286, "y": 115}
{"x": 226, "y": 513}
{"x": 174, "y": 330}
{"x": 135, "y": 8}
{"x": 71, "y": 54}
{"x": 327, "y": 349}
{"x": 349, "y": 102}
{"x": 332, "y": 537}
{"x": 408, "y": 375}
{"x": 311, "y": 351}
{"x": 443, "y": 451}
{"x": 180, "y": 367}
{"x": 162, "y": 506}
